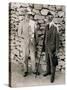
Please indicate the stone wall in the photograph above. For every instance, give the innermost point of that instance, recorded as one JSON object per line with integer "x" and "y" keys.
{"x": 39, "y": 13}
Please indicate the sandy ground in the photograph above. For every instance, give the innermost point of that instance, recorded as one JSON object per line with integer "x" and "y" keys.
{"x": 18, "y": 80}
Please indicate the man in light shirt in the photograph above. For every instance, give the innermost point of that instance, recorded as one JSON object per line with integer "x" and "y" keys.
{"x": 26, "y": 30}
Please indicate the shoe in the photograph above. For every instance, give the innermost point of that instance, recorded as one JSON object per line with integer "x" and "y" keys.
{"x": 46, "y": 74}
{"x": 25, "y": 74}
{"x": 52, "y": 78}
{"x": 36, "y": 73}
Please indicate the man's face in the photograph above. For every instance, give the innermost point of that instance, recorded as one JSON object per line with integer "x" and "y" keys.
{"x": 49, "y": 18}
{"x": 31, "y": 17}
{"x": 26, "y": 17}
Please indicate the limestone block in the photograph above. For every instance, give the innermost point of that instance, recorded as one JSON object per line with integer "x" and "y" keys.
{"x": 44, "y": 11}
{"x": 13, "y": 42}
{"x": 62, "y": 57}
{"x": 63, "y": 8}
{"x": 38, "y": 17}
{"x": 61, "y": 14}
{"x": 21, "y": 9}
{"x": 39, "y": 32}
{"x": 59, "y": 8}
{"x": 23, "y": 5}
{"x": 52, "y": 7}
{"x": 45, "y": 6}
{"x": 38, "y": 6}
{"x": 19, "y": 48}
{"x": 12, "y": 56}
{"x": 43, "y": 25}
{"x": 15, "y": 52}
{"x": 57, "y": 20}
{"x": 12, "y": 46}
{"x": 61, "y": 63}
{"x": 36, "y": 11}
{"x": 12, "y": 12}
{"x": 42, "y": 28}
{"x": 13, "y": 16}
{"x": 40, "y": 21}
{"x": 21, "y": 18}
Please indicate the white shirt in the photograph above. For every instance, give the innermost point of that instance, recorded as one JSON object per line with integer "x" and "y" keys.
{"x": 52, "y": 23}
{"x": 32, "y": 25}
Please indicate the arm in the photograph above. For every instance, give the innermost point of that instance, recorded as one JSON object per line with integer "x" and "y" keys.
{"x": 57, "y": 41}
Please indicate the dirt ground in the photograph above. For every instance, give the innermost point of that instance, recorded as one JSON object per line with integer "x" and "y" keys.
{"x": 17, "y": 79}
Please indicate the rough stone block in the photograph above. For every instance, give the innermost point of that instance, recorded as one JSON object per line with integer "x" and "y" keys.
{"x": 21, "y": 18}
{"x": 61, "y": 14}
{"x": 44, "y": 11}
{"x": 36, "y": 11}
{"x": 38, "y": 17}
{"x": 59, "y": 8}
{"x": 57, "y": 20}
{"x": 23, "y": 5}
{"x": 15, "y": 52}
{"x": 52, "y": 7}
{"x": 40, "y": 21}
{"x": 38, "y": 6}
{"x": 45, "y": 6}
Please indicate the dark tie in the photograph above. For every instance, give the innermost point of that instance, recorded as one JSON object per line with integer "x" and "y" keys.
{"x": 48, "y": 26}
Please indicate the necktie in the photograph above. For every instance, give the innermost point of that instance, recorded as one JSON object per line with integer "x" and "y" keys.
{"x": 48, "y": 26}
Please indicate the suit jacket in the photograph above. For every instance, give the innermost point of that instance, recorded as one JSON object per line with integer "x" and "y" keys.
{"x": 51, "y": 38}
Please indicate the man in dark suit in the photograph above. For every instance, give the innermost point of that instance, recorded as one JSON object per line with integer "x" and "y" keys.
{"x": 51, "y": 45}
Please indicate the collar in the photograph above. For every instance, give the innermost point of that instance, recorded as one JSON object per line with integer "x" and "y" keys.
{"x": 51, "y": 23}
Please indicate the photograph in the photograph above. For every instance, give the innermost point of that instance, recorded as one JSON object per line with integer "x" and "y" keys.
{"x": 36, "y": 44}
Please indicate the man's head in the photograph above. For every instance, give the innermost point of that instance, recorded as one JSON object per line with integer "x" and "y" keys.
{"x": 31, "y": 16}
{"x": 49, "y": 17}
{"x": 26, "y": 15}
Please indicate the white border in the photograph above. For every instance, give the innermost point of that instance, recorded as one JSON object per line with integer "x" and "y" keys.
{"x": 4, "y": 43}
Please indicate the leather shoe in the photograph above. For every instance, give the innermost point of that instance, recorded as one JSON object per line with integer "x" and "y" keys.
{"x": 36, "y": 73}
{"x": 52, "y": 78}
{"x": 25, "y": 74}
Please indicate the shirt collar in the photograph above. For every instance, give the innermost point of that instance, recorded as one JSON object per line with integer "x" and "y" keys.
{"x": 51, "y": 23}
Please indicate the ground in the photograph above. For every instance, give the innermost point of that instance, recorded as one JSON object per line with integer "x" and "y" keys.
{"x": 19, "y": 81}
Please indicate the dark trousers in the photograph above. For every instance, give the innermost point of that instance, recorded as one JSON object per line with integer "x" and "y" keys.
{"x": 49, "y": 67}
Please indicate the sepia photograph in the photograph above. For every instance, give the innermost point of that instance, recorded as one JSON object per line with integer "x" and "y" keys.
{"x": 36, "y": 44}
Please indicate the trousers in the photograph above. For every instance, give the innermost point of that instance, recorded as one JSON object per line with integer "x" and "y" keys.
{"x": 49, "y": 64}
{"x": 29, "y": 51}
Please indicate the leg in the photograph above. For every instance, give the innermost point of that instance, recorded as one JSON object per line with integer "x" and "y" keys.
{"x": 37, "y": 64}
{"x": 32, "y": 55}
{"x": 26, "y": 62}
{"x": 53, "y": 68}
{"x": 48, "y": 67}
{"x": 53, "y": 74}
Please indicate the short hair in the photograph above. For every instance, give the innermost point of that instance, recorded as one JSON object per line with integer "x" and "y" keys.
{"x": 49, "y": 13}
